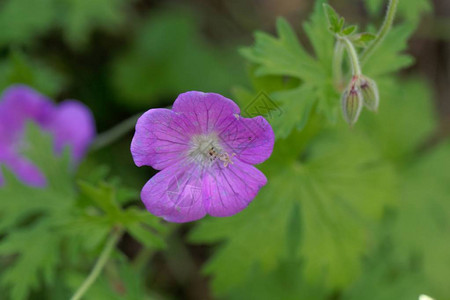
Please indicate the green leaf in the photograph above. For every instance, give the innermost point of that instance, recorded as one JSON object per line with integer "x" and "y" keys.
{"x": 88, "y": 230}
{"x": 285, "y": 282}
{"x": 261, "y": 226}
{"x": 384, "y": 279}
{"x": 79, "y": 18}
{"x": 340, "y": 199}
{"x": 362, "y": 39}
{"x": 340, "y": 192}
{"x": 35, "y": 244}
{"x": 145, "y": 73}
{"x": 366, "y": 37}
{"x": 143, "y": 226}
{"x": 388, "y": 57}
{"x": 37, "y": 258}
{"x": 103, "y": 196}
{"x": 423, "y": 228}
{"x": 286, "y": 57}
{"x": 297, "y": 106}
{"x": 18, "y": 68}
{"x": 405, "y": 120}
{"x": 56, "y": 197}
{"x": 332, "y": 18}
{"x": 58, "y": 218}
{"x": 321, "y": 40}
{"x": 122, "y": 282}
{"x": 349, "y": 30}
{"x": 145, "y": 236}
{"x": 22, "y": 21}
{"x": 341, "y": 23}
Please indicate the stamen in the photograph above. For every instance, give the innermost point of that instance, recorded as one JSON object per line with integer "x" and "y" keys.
{"x": 225, "y": 157}
{"x": 206, "y": 149}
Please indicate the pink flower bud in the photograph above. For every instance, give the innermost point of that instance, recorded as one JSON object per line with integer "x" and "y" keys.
{"x": 369, "y": 90}
{"x": 352, "y": 102}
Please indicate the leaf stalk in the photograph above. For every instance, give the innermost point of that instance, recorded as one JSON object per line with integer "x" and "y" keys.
{"x": 100, "y": 264}
{"x": 356, "y": 68}
{"x": 384, "y": 30}
{"x": 338, "y": 56}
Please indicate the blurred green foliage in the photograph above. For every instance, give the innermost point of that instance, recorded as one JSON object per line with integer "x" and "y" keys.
{"x": 286, "y": 57}
{"x": 167, "y": 57}
{"x": 347, "y": 214}
{"x": 19, "y": 68}
{"x": 338, "y": 170}
{"x": 341, "y": 222}
{"x": 410, "y": 10}
{"x": 22, "y": 21}
{"x": 55, "y": 226}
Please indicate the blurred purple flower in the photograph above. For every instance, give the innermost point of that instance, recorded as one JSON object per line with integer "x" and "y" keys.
{"x": 205, "y": 151}
{"x": 71, "y": 123}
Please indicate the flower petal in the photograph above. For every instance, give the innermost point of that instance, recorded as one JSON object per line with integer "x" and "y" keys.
{"x": 207, "y": 111}
{"x": 161, "y": 139}
{"x": 20, "y": 103}
{"x": 22, "y": 168}
{"x": 175, "y": 194}
{"x": 252, "y": 140}
{"x": 73, "y": 124}
{"x": 228, "y": 190}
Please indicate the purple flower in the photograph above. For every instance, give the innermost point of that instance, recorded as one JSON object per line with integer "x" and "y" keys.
{"x": 205, "y": 151}
{"x": 71, "y": 123}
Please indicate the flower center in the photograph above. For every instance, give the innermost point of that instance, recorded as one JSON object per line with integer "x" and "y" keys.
{"x": 206, "y": 149}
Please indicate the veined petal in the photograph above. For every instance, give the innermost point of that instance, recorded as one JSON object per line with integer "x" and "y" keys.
{"x": 161, "y": 139}
{"x": 251, "y": 140}
{"x": 230, "y": 189}
{"x": 175, "y": 194}
{"x": 73, "y": 124}
{"x": 206, "y": 111}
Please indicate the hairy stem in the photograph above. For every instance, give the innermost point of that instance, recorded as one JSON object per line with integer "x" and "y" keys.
{"x": 356, "y": 68}
{"x": 102, "y": 259}
{"x": 384, "y": 30}
{"x": 338, "y": 56}
{"x": 110, "y": 136}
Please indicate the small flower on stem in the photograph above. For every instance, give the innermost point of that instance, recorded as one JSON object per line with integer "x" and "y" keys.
{"x": 206, "y": 152}
{"x": 71, "y": 124}
{"x": 352, "y": 102}
{"x": 369, "y": 92}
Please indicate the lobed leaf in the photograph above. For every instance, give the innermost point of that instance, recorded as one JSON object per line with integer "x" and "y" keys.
{"x": 339, "y": 192}
{"x": 285, "y": 56}
{"x": 423, "y": 226}
{"x": 34, "y": 244}
{"x": 332, "y": 18}
{"x": 388, "y": 57}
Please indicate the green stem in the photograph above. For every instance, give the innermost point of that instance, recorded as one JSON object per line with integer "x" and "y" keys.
{"x": 384, "y": 30}
{"x": 356, "y": 68}
{"x": 103, "y": 258}
{"x": 337, "y": 63}
{"x": 110, "y": 136}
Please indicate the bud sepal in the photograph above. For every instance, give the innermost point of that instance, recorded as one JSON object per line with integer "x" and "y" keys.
{"x": 369, "y": 90}
{"x": 352, "y": 102}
